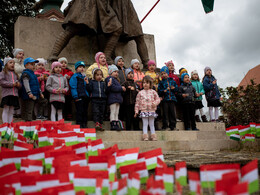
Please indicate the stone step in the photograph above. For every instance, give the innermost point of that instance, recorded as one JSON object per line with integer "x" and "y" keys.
{"x": 194, "y": 145}
{"x": 162, "y": 135}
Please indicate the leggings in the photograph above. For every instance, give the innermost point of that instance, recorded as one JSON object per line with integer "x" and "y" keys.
{"x": 148, "y": 120}
{"x": 7, "y": 115}
{"x": 211, "y": 113}
{"x": 53, "y": 113}
{"x": 114, "y": 111}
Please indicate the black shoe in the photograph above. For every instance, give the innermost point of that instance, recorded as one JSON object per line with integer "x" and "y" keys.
{"x": 187, "y": 129}
{"x": 197, "y": 118}
{"x": 204, "y": 118}
{"x": 195, "y": 129}
{"x": 40, "y": 117}
{"x": 164, "y": 128}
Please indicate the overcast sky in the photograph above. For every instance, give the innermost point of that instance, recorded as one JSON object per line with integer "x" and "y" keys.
{"x": 227, "y": 39}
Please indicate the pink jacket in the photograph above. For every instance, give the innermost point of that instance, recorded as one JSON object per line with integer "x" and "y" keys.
{"x": 138, "y": 77}
{"x": 147, "y": 101}
{"x": 39, "y": 73}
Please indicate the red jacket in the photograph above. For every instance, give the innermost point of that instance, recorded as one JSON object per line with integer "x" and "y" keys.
{"x": 67, "y": 73}
{"x": 175, "y": 78}
{"x": 39, "y": 73}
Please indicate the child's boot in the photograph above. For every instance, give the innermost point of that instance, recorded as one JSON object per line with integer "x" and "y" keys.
{"x": 112, "y": 125}
{"x": 154, "y": 137}
{"x": 116, "y": 125}
{"x": 145, "y": 137}
{"x": 197, "y": 118}
{"x": 204, "y": 118}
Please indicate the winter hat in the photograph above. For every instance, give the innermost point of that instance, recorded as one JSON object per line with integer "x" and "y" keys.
{"x": 182, "y": 76}
{"x": 94, "y": 70}
{"x": 118, "y": 58}
{"x": 29, "y": 60}
{"x": 41, "y": 61}
{"x": 151, "y": 62}
{"x": 165, "y": 69}
{"x": 128, "y": 70}
{"x": 112, "y": 68}
{"x": 55, "y": 64}
{"x": 7, "y": 59}
{"x": 206, "y": 68}
{"x": 169, "y": 62}
{"x": 63, "y": 59}
{"x": 182, "y": 70}
{"x": 79, "y": 63}
{"x": 16, "y": 51}
{"x": 97, "y": 58}
{"x": 193, "y": 72}
{"x": 134, "y": 61}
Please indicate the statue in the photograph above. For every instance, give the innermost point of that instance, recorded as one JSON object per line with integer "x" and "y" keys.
{"x": 114, "y": 19}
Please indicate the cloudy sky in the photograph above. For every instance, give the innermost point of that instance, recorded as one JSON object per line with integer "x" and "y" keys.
{"x": 227, "y": 39}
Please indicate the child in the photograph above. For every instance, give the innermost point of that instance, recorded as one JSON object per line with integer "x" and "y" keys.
{"x": 57, "y": 86}
{"x": 115, "y": 98}
{"x": 10, "y": 84}
{"x": 42, "y": 76}
{"x": 119, "y": 62}
{"x": 151, "y": 72}
{"x": 195, "y": 81}
{"x": 170, "y": 65}
{"x": 212, "y": 93}
{"x": 18, "y": 68}
{"x": 188, "y": 94}
{"x": 146, "y": 102}
{"x": 129, "y": 100}
{"x": 67, "y": 73}
{"x": 138, "y": 74}
{"x": 167, "y": 89}
{"x": 31, "y": 92}
{"x": 80, "y": 94}
{"x": 97, "y": 88}
{"x": 101, "y": 63}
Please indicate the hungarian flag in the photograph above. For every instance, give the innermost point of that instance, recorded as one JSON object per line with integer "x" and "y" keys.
{"x": 178, "y": 188}
{"x": 70, "y": 138}
{"x": 13, "y": 180}
{"x": 244, "y": 130}
{"x": 235, "y": 137}
{"x": 48, "y": 180}
{"x": 122, "y": 187}
{"x": 3, "y": 128}
{"x": 31, "y": 165}
{"x": 93, "y": 147}
{"x": 28, "y": 182}
{"x": 150, "y": 158}
{"x": 39, "y": 153}
{"x": 89, "y": 133}
{"x": 253, "y": 128}
{"x": 81, "y": 137}
{"x": 13, "y": 157}
{"x": 126, "y": 157}
{"x": 43, "y": 139}
{"x": 133, "y": 183}
{"x": 8, "y": 169}
{"x": 240, "y": 189}
{"x": 194, "y": 183}
{"x": 232, "y": 130}
{"x": 155, "y": 186}
{"x": 20, "y": 146}
{"x": 98, "y": 163}
{"x": 212, "y": 172}
{"x": 249, "y": 137}
{"x": 61, "y": 189}
{"x": 29, "y": 127}
{"x": 228, "y": 180}
{"x": 167, "y": 175}
{"x": 139, "y": 168}
{"x": 79, "y": 159}
{"x": 208, "y": 5}
{"x": 80, "y": 148}
{"x": 161, "y": 163}
{"x": 181, "y": 173}
{"x": 21, "y": 138}
{"x": 8, "y": 133}
{"x": 249, "y": 173}
{"x": 257, "y": 129}
{"x": 108, "y": 151}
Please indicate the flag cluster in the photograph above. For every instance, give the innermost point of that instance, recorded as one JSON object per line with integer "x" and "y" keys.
{"x": 244, "y": 133}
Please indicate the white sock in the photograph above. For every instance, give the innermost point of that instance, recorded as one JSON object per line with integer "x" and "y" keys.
{"x": 211, "y": 113}
{"x": 151, "y": 124}
{"x": 216, "y": 113}
{"x": 53, "y": 113}
{"x": 197, "y": 112}
{"x": 11, "y": 114}
{"x": 145, "y": 125}
{"x": 201, "y": 112}
{"x": 60, "y": 114}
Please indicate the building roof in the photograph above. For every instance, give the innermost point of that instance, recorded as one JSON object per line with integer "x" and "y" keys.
{"x": 254, "y": 74}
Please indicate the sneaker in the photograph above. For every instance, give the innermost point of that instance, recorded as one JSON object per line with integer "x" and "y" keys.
{"x": 40, "y": 117}
{"x": 195, "y": 129}
{"x": 187, "y": 129}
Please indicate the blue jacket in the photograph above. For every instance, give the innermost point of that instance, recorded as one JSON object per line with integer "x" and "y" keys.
{"x": 211, "y": 90}
{"x": 187, "y": 88}
{"x": 169, "y": 94}
{"x": 199, "y": 89}
{"x": 78, "y": 86}
{"x": 97, "y": 89}
{"x": 33, "y": 82}
{"x": 114, "y": 91}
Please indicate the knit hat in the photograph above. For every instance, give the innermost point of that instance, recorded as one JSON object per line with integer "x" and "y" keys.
{"x": 193, "y": 72}
{"x": 55, "y": 64}
{"x": 63, "y": 59}
{"x": 182, "y": 70}
{"x": 7, "y": 59}
{"x": 97, "y": 58}
{"x": 94, "y": 70}
{"x": 16, "y": 51}
{"x": 182, "y": 76}
{"x": 118, "y": 58}
{"x": 151, "y": 62}
{"x": 165, "y": 69}
{"x": 112, "y": 68}
{"x": 206, "y": 68}
{"x": 169, "y": 62}
{"x": 29, "y": 60}
{"x": 128, "y": 70}
{"x": 79, "y": 63}
{"x": 41, "y": 61}
{"x": 134, "y": 61}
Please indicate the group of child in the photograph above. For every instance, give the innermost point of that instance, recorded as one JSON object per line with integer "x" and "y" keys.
{"x": 129, "y": 93}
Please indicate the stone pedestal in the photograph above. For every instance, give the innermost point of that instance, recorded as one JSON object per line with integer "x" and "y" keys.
{"x": 37, "y": 36}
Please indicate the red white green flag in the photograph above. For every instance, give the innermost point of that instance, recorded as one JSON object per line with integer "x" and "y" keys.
{"x": 93, "y": 147}
{"x": 253, "y": 128}
{"x": 194, "y": 183}
{"x": 31, "y": 165}
{"x": 181, "y": 173}
{"x": 133, "y": 183}
{"x": 244, "y": 130}
{"x": 126, "y": 156}
{"x": 232, "y": 130}
{"x": 150, "y": 158}
{"x": 167, "y": 175}
{"x": 240, "y": 189}
{"x": 235, "y": 137}
{"x": 155, "y": 186}
{"x": 21, "y": 146}
{"x": 257, "y": 129}
{"x": 249, "y": 137}
{"x": 89, "y": 133}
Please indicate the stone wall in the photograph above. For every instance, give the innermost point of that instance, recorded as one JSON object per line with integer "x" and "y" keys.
{"x": 37, "y": 36}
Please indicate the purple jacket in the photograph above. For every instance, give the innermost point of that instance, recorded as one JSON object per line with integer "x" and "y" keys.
{"x": 6, "y": 82}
